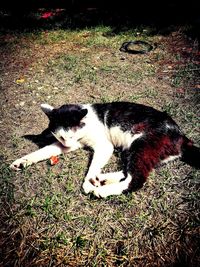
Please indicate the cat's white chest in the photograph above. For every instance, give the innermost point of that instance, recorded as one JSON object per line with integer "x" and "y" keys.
{"x": 122, "y": 139}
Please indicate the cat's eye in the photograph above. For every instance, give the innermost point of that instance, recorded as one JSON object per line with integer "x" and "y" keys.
{"x": 82, "y": 124}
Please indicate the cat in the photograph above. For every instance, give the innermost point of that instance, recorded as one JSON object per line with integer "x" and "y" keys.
{"x": 146, "y": 136}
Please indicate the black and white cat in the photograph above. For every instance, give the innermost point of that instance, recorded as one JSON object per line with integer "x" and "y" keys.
{"x": 146, "y": 136}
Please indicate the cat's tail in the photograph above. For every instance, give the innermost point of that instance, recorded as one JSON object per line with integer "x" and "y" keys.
{"x": 190, "y": 153}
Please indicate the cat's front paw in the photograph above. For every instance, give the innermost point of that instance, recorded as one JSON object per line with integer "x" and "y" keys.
{"x": 20, "y": 164}
{"x": 88, "y": 186}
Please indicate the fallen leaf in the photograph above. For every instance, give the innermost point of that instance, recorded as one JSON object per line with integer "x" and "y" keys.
{"x": 20, "y": 80}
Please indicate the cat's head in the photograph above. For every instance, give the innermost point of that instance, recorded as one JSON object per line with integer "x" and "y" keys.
{"x": 66, "y": 123}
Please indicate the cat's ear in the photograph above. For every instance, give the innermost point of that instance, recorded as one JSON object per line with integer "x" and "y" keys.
{"x": 82, "y": 113}
{"x": 47, "y": 109}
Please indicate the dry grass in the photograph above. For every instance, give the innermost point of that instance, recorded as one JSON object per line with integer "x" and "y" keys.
{"x": 46, "y": 220}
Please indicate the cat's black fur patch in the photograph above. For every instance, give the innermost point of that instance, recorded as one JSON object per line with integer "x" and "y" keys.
{"x": 127, "y": 115}
{"x": 66, "y": 116}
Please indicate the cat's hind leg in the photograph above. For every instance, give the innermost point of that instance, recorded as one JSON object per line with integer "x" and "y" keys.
{"x": 140, "y": 159}
{"x": 147, "y": 153}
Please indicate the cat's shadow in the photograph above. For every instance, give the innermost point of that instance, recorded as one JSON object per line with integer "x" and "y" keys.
{"x": 43, "y": 139}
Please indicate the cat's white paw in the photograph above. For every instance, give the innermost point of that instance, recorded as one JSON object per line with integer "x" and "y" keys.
{"x": 88, "y": 186}
{"x": 97, "y": 182}
{"x": 101, "y": 192}
{"x": 110, "y": 189}
{"x": 19, "y": 164}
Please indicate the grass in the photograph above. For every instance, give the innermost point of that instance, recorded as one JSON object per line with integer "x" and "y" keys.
{"x": 46, "y": 219}
{"x": 185, "y": 74}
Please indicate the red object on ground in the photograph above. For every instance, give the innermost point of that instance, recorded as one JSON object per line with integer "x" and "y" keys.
{"x": 54, "y": 160}
{"x": 47, "y": 15}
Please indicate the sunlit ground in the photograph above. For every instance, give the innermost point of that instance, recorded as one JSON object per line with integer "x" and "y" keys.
{"x": 46, "y": 220}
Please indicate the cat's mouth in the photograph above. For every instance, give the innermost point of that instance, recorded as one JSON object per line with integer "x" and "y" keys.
{"x": 60, "y": 139}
